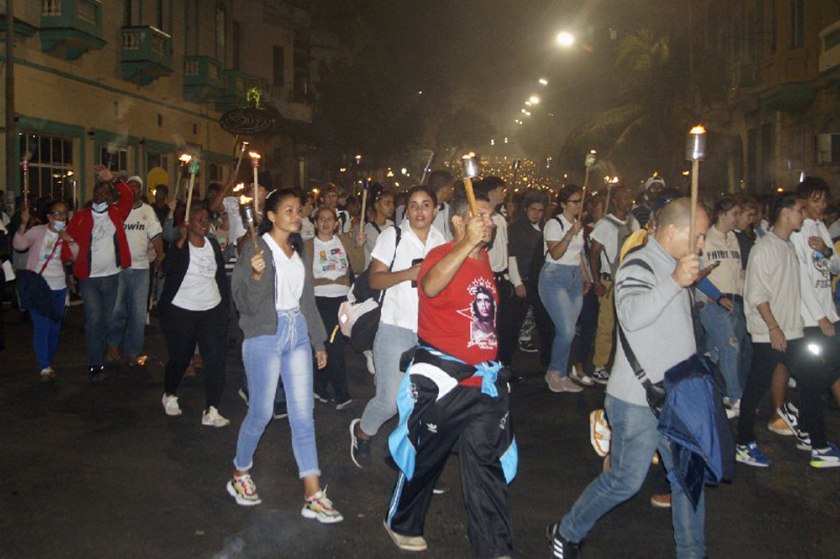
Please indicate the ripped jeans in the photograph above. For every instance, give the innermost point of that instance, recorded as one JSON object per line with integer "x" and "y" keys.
{"x": 729, "y": 344}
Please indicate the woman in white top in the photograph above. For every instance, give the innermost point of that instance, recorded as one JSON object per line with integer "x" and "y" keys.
{"x": 194, "y": 310}
{"x": 723, "y": 320}
{"x": 395, "y": 263}
{"x": 274, "y": 295}
{"x": 332, "y": 257}
{"x": 50, "y": 247}
{"x": 563, "y": 280}
{"x": 382, "y": 201}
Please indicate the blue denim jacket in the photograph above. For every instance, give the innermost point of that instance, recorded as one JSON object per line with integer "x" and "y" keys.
{"x": 694, "y": 420}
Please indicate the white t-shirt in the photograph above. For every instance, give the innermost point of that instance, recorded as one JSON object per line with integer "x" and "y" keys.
{"x": 606, "y": 233}
{"x": 198, "y": 291}
{"x": 54, "y": 272}
{"x": 235, "y": 226}
{"x": 815, "y": 273}
{"x": 141, "y": 227}
{"x": 329, "y": 261}
{"x": 554, "y": 232}
{"x": 103, "y": 250}
{"x": 288, "y": 276}
{"x": 371, "y": 236}
{"x": 401, "y": 303}
{"x": 307, "y": 229}
{"x": 498, "y": 251}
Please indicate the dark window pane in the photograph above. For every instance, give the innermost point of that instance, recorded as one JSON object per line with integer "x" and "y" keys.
{"x": 57, "y": 146}
{"x": 45, "y": 180}
{"x": 43, "y": 154}
{"x": 68, "y": 152}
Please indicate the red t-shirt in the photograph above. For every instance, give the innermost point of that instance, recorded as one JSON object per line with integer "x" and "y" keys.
{"x": 461, "y": 320}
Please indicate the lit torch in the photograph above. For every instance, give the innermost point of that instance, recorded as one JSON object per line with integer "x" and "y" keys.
{"x": 193, "y": 172}
{"x": 184, "y": 158}
{"x": 24, "y": 167}
{"x": 469, "y": 163}
{"x": 246, "y": 211}
{"x": 695, "y": 151}
{"x": 243, "y": 147}
{"x": 255, "y": 163}
{"x": 591, "y": 158}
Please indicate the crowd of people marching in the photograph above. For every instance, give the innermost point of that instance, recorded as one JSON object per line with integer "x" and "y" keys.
{"x": 633, "y": 290}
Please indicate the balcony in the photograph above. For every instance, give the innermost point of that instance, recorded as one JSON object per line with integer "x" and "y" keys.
{"x": 234, "y": 91}
{"x": 70, "y": 28}
{"x": 202, "y": 79}
{"x": 145, "y": 54}
{"x": 829, "y": 61}
{"x": 282, "y": 99}
{"x": 22, "y": 28}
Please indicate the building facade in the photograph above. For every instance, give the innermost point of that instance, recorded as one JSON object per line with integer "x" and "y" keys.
{"x": 781, "y": 108}
{"x": 132, "y": 84}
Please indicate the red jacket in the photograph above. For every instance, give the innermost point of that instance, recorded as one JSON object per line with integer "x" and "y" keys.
{"x": 81, "y": 229}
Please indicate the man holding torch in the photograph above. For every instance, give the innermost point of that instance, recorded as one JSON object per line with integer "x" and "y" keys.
{"x": 456, "y": 392}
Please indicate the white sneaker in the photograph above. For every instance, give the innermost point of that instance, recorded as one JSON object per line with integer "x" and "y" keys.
{"x": 558, "y": 384}
{"x": 321, "y": 509}
{"x": 581, "y": 377}
{"x": 212, "y": 418}
{"x": 170, "y": 405}
{"x": 732, "y": 407}
{"x": 369, "y": 359}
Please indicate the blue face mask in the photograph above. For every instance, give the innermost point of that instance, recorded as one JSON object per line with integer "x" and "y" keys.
{"x": 100, "y": 207}
{"x": 59, "y": 225}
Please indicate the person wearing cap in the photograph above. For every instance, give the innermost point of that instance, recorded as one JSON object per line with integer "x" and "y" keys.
{"x": 128, "y": 320}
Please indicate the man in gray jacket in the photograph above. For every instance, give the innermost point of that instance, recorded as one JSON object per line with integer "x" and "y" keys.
{"x": 653, "y": 306}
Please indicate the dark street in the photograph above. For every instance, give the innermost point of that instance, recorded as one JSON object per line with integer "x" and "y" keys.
{"x": 100, "y": 471}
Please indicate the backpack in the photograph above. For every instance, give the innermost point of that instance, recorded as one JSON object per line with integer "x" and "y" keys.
{"x": 623, "y": 230}
{"x": 538, "y": 261}
{"x": 359, "y": 316}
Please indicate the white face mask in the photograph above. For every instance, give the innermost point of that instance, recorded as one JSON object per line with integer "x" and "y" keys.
{"x": 59, "y": 225}
{"x": 100, "y": 207}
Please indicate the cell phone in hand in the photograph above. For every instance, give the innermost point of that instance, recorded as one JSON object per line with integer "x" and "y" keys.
{"x": 414, "y": 263}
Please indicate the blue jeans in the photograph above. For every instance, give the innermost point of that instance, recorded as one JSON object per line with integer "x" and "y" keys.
{"x": 729, "y": 344}
{"x": 561, "y": 291}
{"x": 288, "y": 353}
{"x": 46, "y": 331}
{"x": 128, "y": 323}
{"x": 634, "y": 440}
{"x": 388, "y": 346}
{"x": 99, "y": 296}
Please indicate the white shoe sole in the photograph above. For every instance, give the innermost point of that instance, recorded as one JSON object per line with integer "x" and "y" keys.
{"x": 323, "y": 519}
{"x": 750, "y": 462}
{"x": 419, "y": 546}
{"x": 583, "y": 381}
{"x": 353, "y": 440}
{"x": 782, "y": 432}
{"x": 239, "y": 500}
{"x": 216, "y": 424}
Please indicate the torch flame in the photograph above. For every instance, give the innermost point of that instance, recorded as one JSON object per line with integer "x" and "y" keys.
{"x": 254, "y": 155}
{"x": 698, "y": 130}
{"x": 239, "y": 187}
{"x": 245, "y": 200}
{"x": 185, "y": 158}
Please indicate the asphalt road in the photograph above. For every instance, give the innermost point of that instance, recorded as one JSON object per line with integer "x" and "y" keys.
{"x": 101, "y": 472}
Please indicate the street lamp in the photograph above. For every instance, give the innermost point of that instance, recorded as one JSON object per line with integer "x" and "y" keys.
{"x": 565, "y": 39}
{"x": 543, "y": 81}
{"x": 534, "y": 100}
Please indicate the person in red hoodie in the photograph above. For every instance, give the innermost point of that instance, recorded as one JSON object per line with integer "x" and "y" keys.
{"x": 103, "y": 252}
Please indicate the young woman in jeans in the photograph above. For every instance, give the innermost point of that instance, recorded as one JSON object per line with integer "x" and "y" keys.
{"x": 563, "y": 281}
{"x": 50, "y": 247}
{"x": 394, "y": 267}
{"x": 723, "y": 320}
{"x": 331, "y": 257}
{"x": 194, "y": 310}
{"x": 277, "y": 343}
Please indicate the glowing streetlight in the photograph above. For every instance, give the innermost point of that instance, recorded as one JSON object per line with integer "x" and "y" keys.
{"x": 543, "y": 81}
{"x": 534, "y": 100}
{"x": 565, "y": 39}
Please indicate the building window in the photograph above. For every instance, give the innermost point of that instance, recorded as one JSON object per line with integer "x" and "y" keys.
{"x": 50, "y": 165}
{"x": 236, "y": 45}
{"x": 279, "y": 66}
{"x": 214, "y": 173}
{"x": 131, "y": 15}
{"x": 221, "y": 23}
{"x": 797, "y": 24}
{"x": 157, "y": 159}
{"x": 115, "y": 157}
{"x": 301, "y": 67}
{"x": 163, "y": 9}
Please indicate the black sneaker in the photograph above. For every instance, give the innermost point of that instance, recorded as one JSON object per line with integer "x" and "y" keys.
{"x": 561, "y": 548}
{"x": 97, "y": 373}
{"x": 359, "y": 448}
{"x": 280, "y": 410}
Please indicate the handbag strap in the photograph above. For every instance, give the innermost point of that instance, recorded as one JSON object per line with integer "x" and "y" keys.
{"x": 631, "y": 358}
{"x": 398, "y": 231}
{"x": 55, "y": 246}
